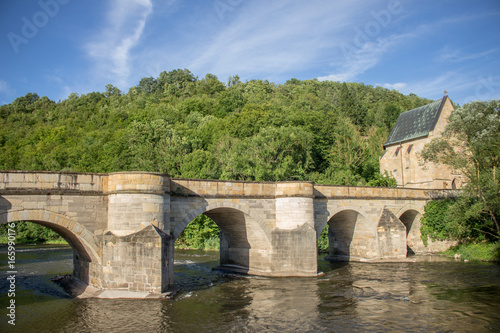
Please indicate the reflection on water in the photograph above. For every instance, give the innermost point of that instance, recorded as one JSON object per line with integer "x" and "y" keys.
{"x": 444, "y": 296}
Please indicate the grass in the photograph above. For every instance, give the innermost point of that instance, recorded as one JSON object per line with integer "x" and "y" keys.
{"x": 476, "y": 252}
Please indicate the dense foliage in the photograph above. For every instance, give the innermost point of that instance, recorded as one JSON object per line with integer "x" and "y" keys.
{"x": 202, "y": 234}
{"x": 32, "y": 233}
{"x": 471, "y": 144}
{"x": 327, "y": 132}
{"x": 434, "y": 222}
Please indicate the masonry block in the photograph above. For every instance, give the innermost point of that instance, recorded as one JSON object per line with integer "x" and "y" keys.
{"x": 145, "y": 256}
{"x": 391, "y": 234}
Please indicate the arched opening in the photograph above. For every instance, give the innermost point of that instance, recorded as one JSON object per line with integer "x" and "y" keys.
{"x": 410, "y": 219}
{"x": 243, "y": 243}
{"x": 341, "y": 233}
{"x": 81, "y": 257}
{"x": 200, "y": 234}
{"x": 31, "y": 233}
{"x": 454, "y": 184}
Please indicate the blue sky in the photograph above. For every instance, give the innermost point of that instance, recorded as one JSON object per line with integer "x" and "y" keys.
{"x": 57, "y": 47}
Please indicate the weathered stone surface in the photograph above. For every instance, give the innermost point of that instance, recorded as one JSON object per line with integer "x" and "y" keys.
{"x": 123, "y": 226}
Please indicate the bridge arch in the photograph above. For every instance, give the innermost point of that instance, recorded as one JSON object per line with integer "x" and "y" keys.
{"x": 410, "y": 216}
{"x": 244, "y": 241}
{"x": 85, "y": 247}
{"x": 190, "y": 216}
{"x": 344, "y": 232}
{"x": 323, "y": 224}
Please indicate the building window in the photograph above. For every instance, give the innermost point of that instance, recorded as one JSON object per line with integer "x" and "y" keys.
{"x": 409, "y": 148}
{"x": 397, "y": 151}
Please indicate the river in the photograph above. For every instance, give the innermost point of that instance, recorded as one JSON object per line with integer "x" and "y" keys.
{"x": 431, "y": 295}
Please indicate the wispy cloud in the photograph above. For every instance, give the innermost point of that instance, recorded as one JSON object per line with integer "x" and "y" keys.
{"x": 359, "y": 61}
{"x": 356, "y": 61}
{"x": 448, "y": 54}
{"x": 469, "y": 85}
{"x": 275, "y": 37}
{"x": 5, "y": 88}
{"x": 111, "y": 48}
{"x": 395, "y": 86}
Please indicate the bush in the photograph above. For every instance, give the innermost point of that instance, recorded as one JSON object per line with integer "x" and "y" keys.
{"x": 480, "y": 251}
{"x": 323, "y": 243}
{"x": 434, "y": 221}
{"x": 202, "y": 233}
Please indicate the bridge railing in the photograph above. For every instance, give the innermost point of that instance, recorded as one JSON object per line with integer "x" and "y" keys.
{"x": 54, "y": 182}
{"x": 46, "y": 181}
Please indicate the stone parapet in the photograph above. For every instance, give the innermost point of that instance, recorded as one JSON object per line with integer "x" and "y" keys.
{"x": 137, "y": 182}
{"x": 51, "y": 182}
{"x": 221, "y": 188}
{"x": 295, "y": 189}
{"x": 367, "y": 192}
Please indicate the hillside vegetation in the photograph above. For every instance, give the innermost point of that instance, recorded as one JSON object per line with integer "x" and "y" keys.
{"x": 326, "y": 132}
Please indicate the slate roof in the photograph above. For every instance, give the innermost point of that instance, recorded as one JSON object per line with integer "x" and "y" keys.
{"x": 416, "y": 123}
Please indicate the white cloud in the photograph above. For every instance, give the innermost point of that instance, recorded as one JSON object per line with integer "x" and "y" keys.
{"x": 361, "y": 60}
{"x": 462, "y": 87}
{"x": 358, "y": 60}
{"x": 448, "y": 54}
{"x": 396, "y": 86}
{"x": 112, "y": 46}
{"x": 5, "y": 88}
{"x": 270, "y": 38}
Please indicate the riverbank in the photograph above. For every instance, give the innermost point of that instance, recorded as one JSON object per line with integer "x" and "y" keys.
{"x": 489, "y": 252}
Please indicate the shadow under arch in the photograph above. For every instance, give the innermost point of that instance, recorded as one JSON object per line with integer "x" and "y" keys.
{"x": 85, "y": 248}
{"x": 244, "y": 241}
{"x": 411, "y": 220}
{"x": 342, "y": 234}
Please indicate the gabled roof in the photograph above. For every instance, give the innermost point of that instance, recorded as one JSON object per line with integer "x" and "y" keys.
{"x": 416, "y": 123}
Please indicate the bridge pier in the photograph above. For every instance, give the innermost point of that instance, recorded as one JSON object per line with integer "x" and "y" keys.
{"x": 136, "y": 249}
{"x": 294, "y": 250}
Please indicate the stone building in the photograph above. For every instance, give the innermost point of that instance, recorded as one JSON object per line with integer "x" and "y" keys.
{"x": 412, "y": 131}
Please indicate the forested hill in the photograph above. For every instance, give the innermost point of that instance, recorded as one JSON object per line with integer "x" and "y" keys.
{"x": 327, "y": 132}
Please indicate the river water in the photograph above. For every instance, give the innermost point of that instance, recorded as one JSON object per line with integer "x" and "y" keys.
{"x": 431, "y": 295}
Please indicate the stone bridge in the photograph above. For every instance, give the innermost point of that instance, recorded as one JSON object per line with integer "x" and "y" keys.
{"x": 122, "y": 226}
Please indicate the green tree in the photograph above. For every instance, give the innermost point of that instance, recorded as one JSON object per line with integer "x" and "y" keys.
{"x": 347, "y": 154}
{"x": 178, "y": 83}
{"x": 271, "y": 155}
{"x": 471, "y": 144}
{"x": 349, "y": 105}
{"x": 155, "y": 146}
{"x": 199, "y": 234}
